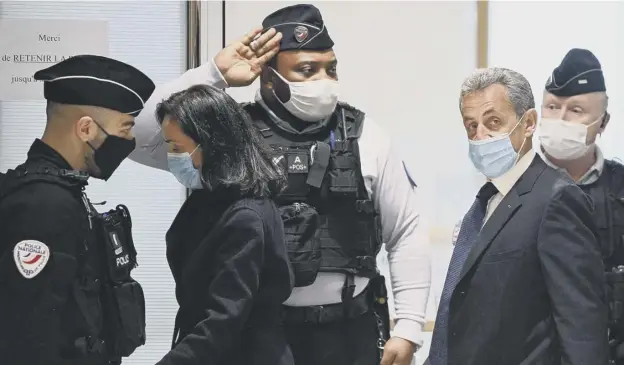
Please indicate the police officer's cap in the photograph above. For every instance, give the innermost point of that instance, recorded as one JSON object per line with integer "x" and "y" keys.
{"x": 579, "y": 73}
{"x": 96, "y": 81}
{"x": 302, "y": 28}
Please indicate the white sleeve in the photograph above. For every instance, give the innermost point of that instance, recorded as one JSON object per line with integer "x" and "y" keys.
{"x": 150, "y": 149}
{"x": 404, "y": 230}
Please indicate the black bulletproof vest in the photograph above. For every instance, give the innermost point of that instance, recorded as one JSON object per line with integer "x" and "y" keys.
{"x": 111, "y": 302}
{"x": 330, "y": 222}
{"x": 608, "y": 196}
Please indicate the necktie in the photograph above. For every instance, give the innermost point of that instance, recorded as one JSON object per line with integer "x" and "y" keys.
{"x": 470, "y": 228}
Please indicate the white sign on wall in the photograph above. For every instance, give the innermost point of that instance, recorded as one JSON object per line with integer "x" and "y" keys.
{"x": 27, "y": 46}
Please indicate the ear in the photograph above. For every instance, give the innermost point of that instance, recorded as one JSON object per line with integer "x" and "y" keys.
{"x": 198, "y": 158}
{"x": 605, "y": 121}
{"x": 86, "y": 129}
{"x": 530, "y": 123}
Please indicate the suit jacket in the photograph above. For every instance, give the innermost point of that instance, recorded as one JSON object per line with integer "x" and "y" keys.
{"x": 532, "y": 290}
{"x": 232, "y": 274}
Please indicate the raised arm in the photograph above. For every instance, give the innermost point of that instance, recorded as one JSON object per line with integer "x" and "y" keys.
{"x": 238, "y": 64}
{"x": 150, "y": 149}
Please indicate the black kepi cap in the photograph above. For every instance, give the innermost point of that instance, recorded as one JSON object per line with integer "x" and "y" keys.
{"x": 579, "y": 73}
{"x": 96, "y": 81}
{"x": 302, "y": 28}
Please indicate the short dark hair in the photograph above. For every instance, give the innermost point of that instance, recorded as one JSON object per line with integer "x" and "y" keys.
{"x": 52, "y": 109}
{"x": 234, "y": 154}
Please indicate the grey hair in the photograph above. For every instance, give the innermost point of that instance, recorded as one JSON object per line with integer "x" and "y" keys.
{"x": 518, "y": 88}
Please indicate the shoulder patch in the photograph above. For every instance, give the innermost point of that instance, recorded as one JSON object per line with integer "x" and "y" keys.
{"x": 31, "y": 257}
{"x": 409, "y": 177}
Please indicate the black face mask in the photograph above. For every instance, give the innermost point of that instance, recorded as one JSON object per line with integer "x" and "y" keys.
{"x": 111, "y": 153}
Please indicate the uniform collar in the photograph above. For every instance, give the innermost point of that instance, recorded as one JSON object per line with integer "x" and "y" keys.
{"x": 39, "y": 150}
{"x": 590, "y": 176}
{"x": 505, "y": 182}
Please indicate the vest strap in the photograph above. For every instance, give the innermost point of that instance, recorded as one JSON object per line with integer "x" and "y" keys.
{"x": 319, "y": 166}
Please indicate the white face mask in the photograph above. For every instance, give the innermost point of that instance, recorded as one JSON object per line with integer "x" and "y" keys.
{"x": 564, "y": 140}
{"x": 311, "y": 101}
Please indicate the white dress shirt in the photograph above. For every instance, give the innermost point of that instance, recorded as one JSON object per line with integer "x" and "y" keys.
{"x": 404, "y": 233}
{"x": 507, "y": 181}
{"x": 503, "y": 184}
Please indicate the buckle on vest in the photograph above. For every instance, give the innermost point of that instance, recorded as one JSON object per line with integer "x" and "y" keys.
{"x": 365, "y": 206}
{"x": 44, "y": 170}
{"x": 366, "y": 262}
{"x": 314, "y": 314}
{"x": 73, "y": 174}
{"x": 266, "y": 132}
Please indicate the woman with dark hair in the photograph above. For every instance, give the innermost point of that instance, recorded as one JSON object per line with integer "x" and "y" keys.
{"x": 226, "y": 246}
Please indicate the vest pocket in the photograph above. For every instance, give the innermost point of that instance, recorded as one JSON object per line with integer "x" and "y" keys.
{"x": 342, "y": 173}
{"x": 613, "y": 245}
{"x": 301, "y": 226}
{"x": 129, "y": 302}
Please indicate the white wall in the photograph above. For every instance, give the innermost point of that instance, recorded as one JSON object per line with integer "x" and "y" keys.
{"x": 152, "y": 38}
{"x": 533, "y": 37}
{"x": 403, "y": 64}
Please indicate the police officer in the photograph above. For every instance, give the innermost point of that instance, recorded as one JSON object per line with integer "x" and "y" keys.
{"x": 574, "y": 113}
{"x": 348, "y": 191}
{"x": 66, "y": 294}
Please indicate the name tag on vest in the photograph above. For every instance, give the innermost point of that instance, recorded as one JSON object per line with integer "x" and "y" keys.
{"x": 297, "y": 163}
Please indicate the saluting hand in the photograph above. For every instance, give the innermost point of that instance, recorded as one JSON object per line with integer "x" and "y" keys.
{"x": 241, "y": 62}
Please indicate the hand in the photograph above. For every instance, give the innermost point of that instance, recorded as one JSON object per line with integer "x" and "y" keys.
{"x": 241, "y": 62}
{"x": 398, "y": 352}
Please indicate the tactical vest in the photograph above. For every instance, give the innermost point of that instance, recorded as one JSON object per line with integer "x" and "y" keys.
{"x": 330, "y": 222}
{"x": 608, "y": 196}
{"x": 119, "y": 327}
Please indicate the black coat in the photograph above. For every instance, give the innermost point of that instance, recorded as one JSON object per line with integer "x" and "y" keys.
{"x": 232, "y": 274}
{"x": 532, "y": 290}
{"x": 40, "y": 319}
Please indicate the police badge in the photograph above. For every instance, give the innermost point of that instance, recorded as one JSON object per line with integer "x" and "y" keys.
{"x": 301, "y": 33}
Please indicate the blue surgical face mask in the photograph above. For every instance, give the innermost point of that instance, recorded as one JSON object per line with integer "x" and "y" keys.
{"x": 181, "y": 166}
{"x": 494, "y": 156}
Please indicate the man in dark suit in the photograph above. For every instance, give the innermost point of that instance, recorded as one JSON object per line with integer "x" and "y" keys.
{"x": 525, "y": 282}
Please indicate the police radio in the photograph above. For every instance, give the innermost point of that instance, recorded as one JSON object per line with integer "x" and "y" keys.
{"x": 123, "y": 299}
{"x": 117, "y": 226}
